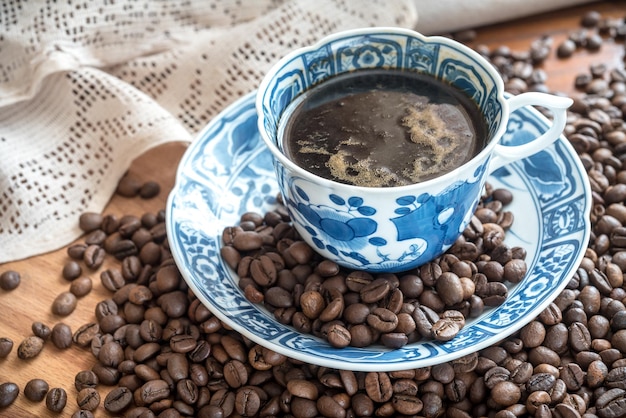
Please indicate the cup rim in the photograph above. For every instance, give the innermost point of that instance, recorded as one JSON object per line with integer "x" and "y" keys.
{"x": 446, "y": 178}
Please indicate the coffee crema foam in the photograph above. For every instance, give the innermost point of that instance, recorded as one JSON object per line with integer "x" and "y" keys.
{"x": 380, "y": 128}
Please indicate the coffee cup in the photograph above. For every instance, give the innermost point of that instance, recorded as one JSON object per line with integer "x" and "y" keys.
{"x": 398, "y": 227}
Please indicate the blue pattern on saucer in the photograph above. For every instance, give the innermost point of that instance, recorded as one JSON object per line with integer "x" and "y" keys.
{"x": 227, "y": 171}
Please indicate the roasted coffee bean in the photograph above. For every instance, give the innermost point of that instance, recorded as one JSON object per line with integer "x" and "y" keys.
{"x": 149, "y": 189}
{"x": 95, "y": 237}
{"x": 122, "y": 248}
{"x": 112, "y": 279}
{"x": 41, "y": 330}
{"x": 382, "y": 320}
{"x": 247, "y": 401}
{"x": 85, "y": 379}
{"x": 71, "y": 270}
{"x": 378, "y": 386}
{"x": 90, "y": 221}
{"x": 8, "y": 393}
{"x": 612, "y": 403}
{"x": 118, "y": 399}
{"x": 339, "y": 336}
{"x": 56, "y": 399}
{"x": 111, "y": 354}
{"x": 93, "y": 256}
{"x": 128, "y": 186}
{"x": 154, "y": 391}
{"x": 445, "y": 329}
{"x": 106, "y": 375}
{"x": 61, "y": 336}
{"x": 9, "y": 280}
{"x": 30, "y": 347}
{"x": 88, "y": 399}
{"x": 81, "y": 287}
{"x": 76, "y": 251}
{"x": 36, "y": 390}
{"x": 6, "y": 345}
{"x": 64, "y": 304}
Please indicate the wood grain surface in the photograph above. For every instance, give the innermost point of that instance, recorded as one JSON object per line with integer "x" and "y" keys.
{"x": 41, "y": 276}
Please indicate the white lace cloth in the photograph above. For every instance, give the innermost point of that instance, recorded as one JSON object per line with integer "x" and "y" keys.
{"x": 86, "y": 87}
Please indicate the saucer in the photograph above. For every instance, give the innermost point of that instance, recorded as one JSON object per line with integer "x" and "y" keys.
{"x": 227, "y": 171}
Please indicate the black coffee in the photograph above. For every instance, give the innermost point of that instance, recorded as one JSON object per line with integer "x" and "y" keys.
{"x": 381, "y": 128}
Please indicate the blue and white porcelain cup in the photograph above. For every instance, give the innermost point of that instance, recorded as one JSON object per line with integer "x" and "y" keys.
{"x": 391, "y": 229}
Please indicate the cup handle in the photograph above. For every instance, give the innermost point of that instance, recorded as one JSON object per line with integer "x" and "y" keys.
{"x": 504, "y": 155}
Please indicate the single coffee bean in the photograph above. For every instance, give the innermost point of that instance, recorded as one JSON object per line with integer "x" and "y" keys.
{"x": 612, "y": 403}
{"x": 41, "y": 330}
{"x": 374, "y": 291}
{"x": 76, "y": 251}
{"x": 382, "y": 320}
{"x": 89, "y": 221}
{"x": 149, "y": 189}
{"x": 187, "y": 390}
{"x": 10, "y": 280}
{"x": 85, "y": 379}
{"x": 36, "y": 390}
{"x": 248, "y": 401}
{"x": 106, "y": 375}
{"x": 338, "y": 336}
{"x": 329, "y": 406}
{"x": 111, "y": 354}
{"x": 71, "y": 270}
{"x": 445, "y": 329}
{"x": 93, "y": 256}
{"x": 123, "y": 248}
{"x": 88, "y": 399}
{"x": 112, "y": 279}
{"x": 56, "y": 399}
{"x": 128, "y": 186}
{"x": 378, "y": 386}
{"x": 64, "y": 304}
{"x": 8, "y": 393}
{"x": 30, "y": 347}
{"x": 81, "y": 287}
{"x": 118, "y": 400}
{"x": 6, "y": 345}
{"x": 153, "y": 391}
{"x": 61, "y": 336}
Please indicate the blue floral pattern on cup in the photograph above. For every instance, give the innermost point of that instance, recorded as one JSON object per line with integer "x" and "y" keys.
{"x": 344, "y": 226}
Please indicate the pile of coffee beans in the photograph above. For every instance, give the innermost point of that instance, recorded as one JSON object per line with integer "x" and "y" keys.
{"x": 159, "y": 352}
{"x": 355, "y": 308}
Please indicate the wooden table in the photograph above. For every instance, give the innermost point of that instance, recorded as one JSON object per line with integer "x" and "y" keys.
{"x": 41, "y": 275}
